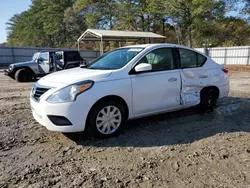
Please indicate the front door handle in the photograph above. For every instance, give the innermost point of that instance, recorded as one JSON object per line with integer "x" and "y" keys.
{"x": 203, "y": 76}
{"x": 172, "y": 79}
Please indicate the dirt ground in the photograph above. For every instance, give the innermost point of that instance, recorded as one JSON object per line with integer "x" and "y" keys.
{"x": 238, "y": 68}
{"x": 180, "y": 149}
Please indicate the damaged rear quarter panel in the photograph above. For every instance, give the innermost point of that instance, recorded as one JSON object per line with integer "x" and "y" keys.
{"x": 195, "y": 79}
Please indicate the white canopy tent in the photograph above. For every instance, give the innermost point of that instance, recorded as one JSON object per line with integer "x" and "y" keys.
{"x": 113, "y": 35}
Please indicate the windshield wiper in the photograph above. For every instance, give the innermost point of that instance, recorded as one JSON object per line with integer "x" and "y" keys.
{"x": 95, "y": 68}
{"x": 90, "y": 68}
{"x": 85, "y": 67}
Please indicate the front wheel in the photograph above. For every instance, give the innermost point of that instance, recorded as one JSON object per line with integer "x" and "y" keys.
{"x": 23, "y": 75}
{"x": 208, "y": 101}
{"x": 106, "y": 119}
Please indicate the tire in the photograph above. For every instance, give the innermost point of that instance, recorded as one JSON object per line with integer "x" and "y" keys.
{"x": 100, "y": 126}
{"x": 23, "y": 75}
{"x": 12, "y": 77}
{"x": 208, "y": 101}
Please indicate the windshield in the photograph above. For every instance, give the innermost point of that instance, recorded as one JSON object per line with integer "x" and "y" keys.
{"x": 115, "y": 59}
{"x": 35, "y": 56}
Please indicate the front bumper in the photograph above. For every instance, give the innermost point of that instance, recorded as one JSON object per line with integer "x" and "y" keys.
{"x": 8, "y": 72}
{"x": 76, "y": 112}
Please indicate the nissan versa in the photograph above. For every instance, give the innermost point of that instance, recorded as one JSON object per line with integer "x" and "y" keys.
{"x": 127, "y": 83}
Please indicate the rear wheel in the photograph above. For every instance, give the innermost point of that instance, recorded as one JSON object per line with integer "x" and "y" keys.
{"x": 23, "y": 75}
{"x": 208, "y": 101}
{"x": 106, "y": 119}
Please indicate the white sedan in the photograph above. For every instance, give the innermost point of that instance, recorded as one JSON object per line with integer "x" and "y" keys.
{"x": 127, "y": 83}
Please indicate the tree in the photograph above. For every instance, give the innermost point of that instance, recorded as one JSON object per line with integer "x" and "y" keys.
{"x": 53, "y": 14}
{"x": 127, "y": 15}
{"x": 246, "y": 10}
{"x": 187, "y": 13}
{"x": 233, "y": 32}
{"x": 75, "y": 24}
{"x": 98, "y": 14}
{"x": 41, "y": 25}
{"x": 25, "y": 30}
{"x": 58, "y": 23}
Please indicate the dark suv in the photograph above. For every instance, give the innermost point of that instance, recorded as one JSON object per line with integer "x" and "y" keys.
{"x": 43, "y": 63}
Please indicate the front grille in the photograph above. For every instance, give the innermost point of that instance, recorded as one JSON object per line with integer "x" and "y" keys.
{"x": 39, "y": 92}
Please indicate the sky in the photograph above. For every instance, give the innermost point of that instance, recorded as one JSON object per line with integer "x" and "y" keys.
{"x": 7, "y": 9}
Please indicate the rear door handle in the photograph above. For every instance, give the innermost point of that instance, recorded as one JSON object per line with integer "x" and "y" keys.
{"x": 203, "y": 76}
{"x": 172, "y": 79}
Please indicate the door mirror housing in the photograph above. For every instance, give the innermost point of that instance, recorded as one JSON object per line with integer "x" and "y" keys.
{"x": 143, "y": 67}
{"x": 39, "y": 60}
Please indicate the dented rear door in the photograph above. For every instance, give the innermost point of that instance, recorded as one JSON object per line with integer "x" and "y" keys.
{"x": 193, "y": 76}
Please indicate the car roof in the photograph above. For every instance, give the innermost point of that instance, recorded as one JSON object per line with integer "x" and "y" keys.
{"x": 67, "y": 51}
{"x": 147, "y": 45}
{"x": 58, "y": 50}
{"x": 42, "y": 51}
{"x": 156, "y": 45}
{"x": 159, "y": 45}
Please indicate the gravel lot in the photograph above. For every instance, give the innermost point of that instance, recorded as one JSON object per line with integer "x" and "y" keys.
{"x": 180, "y": 149}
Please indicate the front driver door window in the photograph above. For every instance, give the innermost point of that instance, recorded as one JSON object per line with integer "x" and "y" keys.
{"x": 159, "y": 89}
{"x": 44, "y": 65}
{"x": 160, "y": 59}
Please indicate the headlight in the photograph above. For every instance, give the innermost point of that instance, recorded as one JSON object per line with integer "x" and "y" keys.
{"x": 11, "y": 67}
{"x": 70, "y": 93}
{"x": 32, "y": 91}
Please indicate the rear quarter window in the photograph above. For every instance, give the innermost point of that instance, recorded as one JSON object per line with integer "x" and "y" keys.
{"x": 201, "y": 60}
{"x": 59, "y": 56}
{"x": 191, "y": 59}
{"x": 72, "y": 56}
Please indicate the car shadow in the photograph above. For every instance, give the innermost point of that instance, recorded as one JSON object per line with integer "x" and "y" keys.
{"x": 180, "y": 127}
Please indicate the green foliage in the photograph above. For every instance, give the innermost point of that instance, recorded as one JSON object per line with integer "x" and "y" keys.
{"x": 246, "y": 9}
{"x": 233, "y": 30}
{"x": 98, "y": 14}
{"x": 58, "y": 23}
{"x": 189, "y": 15}
{"x": 41, "y": 25}
{"x": 74, "y": 26}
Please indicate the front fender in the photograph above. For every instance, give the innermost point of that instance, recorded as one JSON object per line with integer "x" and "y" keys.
{"x": 22, "y": 67}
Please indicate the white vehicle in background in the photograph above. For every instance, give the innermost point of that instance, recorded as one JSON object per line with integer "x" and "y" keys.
{"x": 127, "y": 83}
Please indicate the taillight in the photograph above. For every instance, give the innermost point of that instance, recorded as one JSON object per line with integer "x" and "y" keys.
{"x": 225, "y": 71}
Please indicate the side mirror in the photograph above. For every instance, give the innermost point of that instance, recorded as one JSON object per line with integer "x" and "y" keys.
{"x": 39, "y": 60}
{"x": 142, "y": 67}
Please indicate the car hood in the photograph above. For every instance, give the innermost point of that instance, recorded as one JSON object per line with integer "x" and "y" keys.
{"x": 22, "y": 63}
{"x": 74, "y": 75}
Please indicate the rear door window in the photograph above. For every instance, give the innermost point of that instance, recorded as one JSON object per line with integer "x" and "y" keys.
{"x": 191, "y": 59}
{"x": 59, "y": 56}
